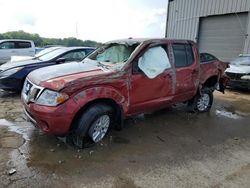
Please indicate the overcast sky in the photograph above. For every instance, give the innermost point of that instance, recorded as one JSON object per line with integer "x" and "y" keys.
{"x": 99, "y": 20}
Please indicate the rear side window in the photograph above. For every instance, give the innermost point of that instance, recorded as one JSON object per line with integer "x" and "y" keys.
{"x": 183, "y": 55}
{"x": 23, "y": 45}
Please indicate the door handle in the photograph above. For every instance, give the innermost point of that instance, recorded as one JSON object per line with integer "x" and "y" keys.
{"x": 13, "y": 51}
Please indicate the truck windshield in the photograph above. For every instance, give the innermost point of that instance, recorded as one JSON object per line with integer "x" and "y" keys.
{"x": 244, "y": 60}
{"x": 114, "y": 55}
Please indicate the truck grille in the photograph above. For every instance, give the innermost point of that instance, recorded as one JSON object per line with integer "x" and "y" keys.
{"x": 30, "y": 91}
{"x": 234, "y": 76}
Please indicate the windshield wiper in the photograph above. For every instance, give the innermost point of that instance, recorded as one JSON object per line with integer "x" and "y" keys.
{"x": 102, "y": 65}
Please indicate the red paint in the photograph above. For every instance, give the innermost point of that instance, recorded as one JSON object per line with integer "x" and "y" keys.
{"x": 133, "y": 92}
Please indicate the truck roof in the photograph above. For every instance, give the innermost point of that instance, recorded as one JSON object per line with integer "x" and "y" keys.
{"x": 131, "y": 41}
{"x": 6, "y": 40}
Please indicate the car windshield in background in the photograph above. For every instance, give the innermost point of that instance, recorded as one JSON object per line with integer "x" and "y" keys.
{"x": 113, "y": 56}
{"x": 206, "y": 57}
{"x": 45, "y": 51}
{"x": 52, "y": 54}
{"x": 245, "y": 60}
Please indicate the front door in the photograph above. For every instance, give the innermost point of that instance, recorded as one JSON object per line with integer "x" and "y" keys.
{"x": 7, "y": 49}
{"x": 147, "y": 93}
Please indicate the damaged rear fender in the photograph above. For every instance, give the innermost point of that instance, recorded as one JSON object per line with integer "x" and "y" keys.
{"x": 222, "y": 83}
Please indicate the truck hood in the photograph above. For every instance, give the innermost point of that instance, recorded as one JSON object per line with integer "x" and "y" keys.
{"x": 240, "y": 69}
{"x": 11, "y": 65}
{"x": 57, "y": 77}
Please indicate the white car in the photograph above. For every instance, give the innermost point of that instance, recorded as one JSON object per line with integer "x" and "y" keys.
{"x": 45, "y": 51}
{"x": 15, "y": 47}
{"x": 239, "y": 72}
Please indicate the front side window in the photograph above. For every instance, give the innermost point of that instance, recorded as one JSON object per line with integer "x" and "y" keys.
{"x": 154, "y": 61}
{"x": 74, "y": 56}
{"x": 183, "y": 55}
{"x": 7, "y": 45}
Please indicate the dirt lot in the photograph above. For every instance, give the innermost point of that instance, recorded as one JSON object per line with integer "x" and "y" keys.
{"x": 169, "y": 148}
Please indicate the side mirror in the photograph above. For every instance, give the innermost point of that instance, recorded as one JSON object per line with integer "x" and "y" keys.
{"x": 60, "y": 60}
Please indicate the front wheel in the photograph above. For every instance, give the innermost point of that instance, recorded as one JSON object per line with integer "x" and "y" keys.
{"x": 93, "y": 125}
{"x": 202, "y": 102}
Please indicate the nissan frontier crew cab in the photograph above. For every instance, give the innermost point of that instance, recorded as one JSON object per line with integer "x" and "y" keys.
{"x": 84, "y": 100}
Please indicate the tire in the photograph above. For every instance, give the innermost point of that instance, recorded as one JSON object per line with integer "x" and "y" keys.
{"x": 202, "y": 102}
{"x": 92, "y": 126}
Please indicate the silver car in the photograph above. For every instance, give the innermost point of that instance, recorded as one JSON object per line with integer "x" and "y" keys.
{"x": 239, "y": 72}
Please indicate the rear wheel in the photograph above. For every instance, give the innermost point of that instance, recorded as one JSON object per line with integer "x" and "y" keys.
{"x": 93, "y": 125}
{"x": 202, "y": 102}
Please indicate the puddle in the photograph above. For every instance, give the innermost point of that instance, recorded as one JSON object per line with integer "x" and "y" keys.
{"x": 4, "y": 122}
{"x": 228, "y": 114}
{"x": 13, "y": 142}
{"x": 19, "y": 128}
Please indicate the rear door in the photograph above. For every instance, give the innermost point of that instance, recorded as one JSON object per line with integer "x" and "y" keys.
{"x": 147, "y": 94}
{"x": 24, "y": 48}
{"x": 186, "y": 69}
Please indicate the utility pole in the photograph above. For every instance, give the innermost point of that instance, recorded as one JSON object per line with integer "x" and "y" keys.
{"x": 76, "y": 30}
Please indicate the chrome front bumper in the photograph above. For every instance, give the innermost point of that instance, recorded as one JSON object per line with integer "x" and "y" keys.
{"x": 29, "y": 118}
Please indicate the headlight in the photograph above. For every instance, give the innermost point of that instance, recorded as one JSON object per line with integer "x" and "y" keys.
{"x": 246, "y": 77}
{"x": 51, "y": 98}
{"x": 9, "y": 72}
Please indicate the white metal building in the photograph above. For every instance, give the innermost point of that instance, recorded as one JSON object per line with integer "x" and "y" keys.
{"x": 220, "y": 27}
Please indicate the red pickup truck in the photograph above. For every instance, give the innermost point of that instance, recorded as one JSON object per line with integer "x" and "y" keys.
{"x": 83, "y": 101}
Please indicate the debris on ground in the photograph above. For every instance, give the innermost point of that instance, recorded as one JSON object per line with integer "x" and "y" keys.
{"x": 159, "y": 138}
{"x": 52, "y": 150}
{"x": 61, "y": 161}
{"x": 12, "y": 171}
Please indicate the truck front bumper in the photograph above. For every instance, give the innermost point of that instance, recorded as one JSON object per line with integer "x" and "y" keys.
{"x": 51, "y": 120}
{"x": 240, "y": 84}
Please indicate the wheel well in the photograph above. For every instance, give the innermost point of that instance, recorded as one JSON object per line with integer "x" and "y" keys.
{"x": 211, "y": 82}
{"x": 118, "y": 112}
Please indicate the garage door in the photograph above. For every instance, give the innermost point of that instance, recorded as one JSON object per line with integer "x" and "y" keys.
{"x": 223, "y": 35}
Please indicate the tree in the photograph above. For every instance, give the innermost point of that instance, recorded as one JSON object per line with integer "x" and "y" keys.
{"x": 41, "y": 41}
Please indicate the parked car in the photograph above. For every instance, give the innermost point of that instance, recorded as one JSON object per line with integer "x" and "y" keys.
{"x": 206, "y": 58}
{"x": 15, "y": 47}
{"x": 121, "y": 78}
{"x": 37, "y": 55}
{"x": 239, "y": 72}
{"x": 12, "y": 75}
{"x": 38, "y": 49}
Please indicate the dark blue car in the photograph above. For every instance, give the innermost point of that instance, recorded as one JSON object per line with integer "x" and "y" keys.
{"x": 13, "y": 74}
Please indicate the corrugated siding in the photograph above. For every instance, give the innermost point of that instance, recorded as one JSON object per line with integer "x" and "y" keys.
{"x": 183, "y": 21}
